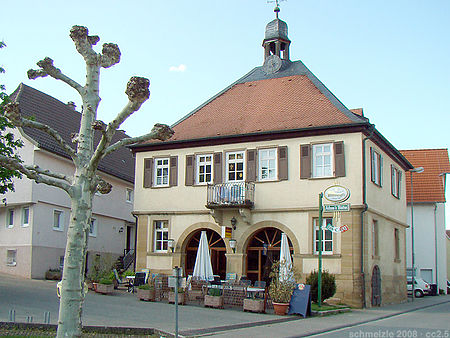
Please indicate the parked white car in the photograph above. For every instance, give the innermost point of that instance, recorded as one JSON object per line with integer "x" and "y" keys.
{"x": 421, "y": 287}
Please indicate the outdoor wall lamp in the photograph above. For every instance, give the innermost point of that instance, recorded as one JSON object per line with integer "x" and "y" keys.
{"x": 265, "y": 248}
{"x": 120, "y": 230}
{"x": 233, "y": 245}
{"x": 171, "y": 244}
{"x": 233, "y": 223}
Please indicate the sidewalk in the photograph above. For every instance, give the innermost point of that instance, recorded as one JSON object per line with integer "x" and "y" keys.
{"x": 33, "y": 297}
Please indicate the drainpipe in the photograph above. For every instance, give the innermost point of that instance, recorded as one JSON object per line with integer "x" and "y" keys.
{"x": 365, "y": 207}
{"x": 436, "y": 249}
{"x": 135, "y": 241}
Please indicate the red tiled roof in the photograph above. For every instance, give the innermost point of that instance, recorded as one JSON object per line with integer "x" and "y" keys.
{"x": 357, "y": 111}
{"x": 429, "y": 185}
{"x": 291, "y": 102}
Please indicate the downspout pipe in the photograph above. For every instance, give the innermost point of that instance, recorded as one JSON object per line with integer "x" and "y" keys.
{"x": 135, "y": 241}
{"x": 436, "y": 247}
{"x": 365, "y": 207}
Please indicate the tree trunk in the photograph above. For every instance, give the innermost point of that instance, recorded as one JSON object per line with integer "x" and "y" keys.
{"x": 72, "y": 295}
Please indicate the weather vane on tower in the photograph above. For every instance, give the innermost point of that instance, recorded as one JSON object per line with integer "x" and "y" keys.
{"x": 277, "y": 5}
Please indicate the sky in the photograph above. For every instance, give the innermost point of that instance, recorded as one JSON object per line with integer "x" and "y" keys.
{"x": 390, "y": 58}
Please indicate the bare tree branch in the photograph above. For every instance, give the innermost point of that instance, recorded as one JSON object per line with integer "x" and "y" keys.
{"x": 84, "y": 42}
{"x": 110, "y": 55}
{"x": 137, "y": 92}
{"x": 37, "y": 175}
{"x": 12, "y": 112}
{"x": 48, "y": 173}
{"x": 159, "y": 132}
{"x": 47, "y": 68}
{"x": 100, "y": 185}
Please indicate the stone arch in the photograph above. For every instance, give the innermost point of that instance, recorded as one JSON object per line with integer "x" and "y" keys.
{"x": 241, "y": 245}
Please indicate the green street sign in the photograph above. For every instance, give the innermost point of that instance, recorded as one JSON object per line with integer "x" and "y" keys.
{"x": 336, "y": 207}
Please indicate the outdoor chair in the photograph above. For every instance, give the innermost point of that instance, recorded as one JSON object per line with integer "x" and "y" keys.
{"x": 244, "y": 281}
{"x": 139, "y": 278}
{"x": 119, "y": 281}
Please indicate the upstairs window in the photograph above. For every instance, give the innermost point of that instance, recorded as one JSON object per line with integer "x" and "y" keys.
{"x": 25, "y": 216}
{"x": 235, "y": 166}
{"x": 93, "y": 227}
{"x": 10, "y": 218}
{"x": 58, "y": 220}
{"x": 396, "y": 176}
{"x": 161, "y": 172}
{"x": 322, "y": 160}
{"x": 397, "y": 244}
{"x": 376, "y": 161}
{"x": 161, "y": 236}
{"x": 204, "y": 169}
{"x": 375, "y": 239}
{"x": 129, "y": 195}
{"x": 267, "y": 164}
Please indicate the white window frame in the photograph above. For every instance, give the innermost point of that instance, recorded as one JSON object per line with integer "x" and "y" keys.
{"x": 376, "y": 163}
{"x": 161, "y": 172}
{"x": 235, "y": 161}
{"x": 93, "y": 227}
{"x": 160, "y": 245}
{"x": 395, "y": 182}
{"x": 324, "y": 232}
{"x": 129, "y": 195}
{"x": 268, "y": 160}
{"x": 11, "y": 260}
{"x": 319, "y": 153}
{"x": 25, "y": 216}
{"x": 10, "y": 218}
{"x": 204, "y": 161}
{"x": 61, "y": 220}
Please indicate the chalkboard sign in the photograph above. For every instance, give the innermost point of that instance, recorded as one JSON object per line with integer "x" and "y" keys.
{"x": 301, "y": 300}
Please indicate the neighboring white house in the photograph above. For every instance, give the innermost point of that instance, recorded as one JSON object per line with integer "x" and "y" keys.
{"x": 34, "y": 219}
{"x": 430, "y": 257}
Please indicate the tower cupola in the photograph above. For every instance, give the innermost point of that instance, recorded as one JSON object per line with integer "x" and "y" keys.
{"x": 276, "y": 41}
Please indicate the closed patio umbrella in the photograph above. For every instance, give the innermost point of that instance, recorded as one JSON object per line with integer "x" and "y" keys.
{"x": 285, "y": 256}
{"x": 203, "y": 268}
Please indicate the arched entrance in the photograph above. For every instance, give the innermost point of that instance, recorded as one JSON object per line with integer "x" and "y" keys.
{"x": 262, "y": 250}
{"x": 217, "y": 250}
{"x": 376, "y": 286}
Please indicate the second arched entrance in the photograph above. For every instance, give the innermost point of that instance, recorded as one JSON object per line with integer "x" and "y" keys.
{"x": 217, "y": 251}
{"x": 263, "y": 249}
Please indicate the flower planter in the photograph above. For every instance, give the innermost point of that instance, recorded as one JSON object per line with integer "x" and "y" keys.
{"x": 172, "y": 298}
{"x": 147, "y": 295}
{"x": 213, "y": 301}
{"x": 105, "y": 289}
{"x": 253, "y": 305}
{"x": 280, "y": 308}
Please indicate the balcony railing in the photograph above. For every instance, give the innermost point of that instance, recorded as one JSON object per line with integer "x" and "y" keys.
{"x": 231, "y": 195}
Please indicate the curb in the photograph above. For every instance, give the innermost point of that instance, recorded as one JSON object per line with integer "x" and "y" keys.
{"x": 330, "y": 312}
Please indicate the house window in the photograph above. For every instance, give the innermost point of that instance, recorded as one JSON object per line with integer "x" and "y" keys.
{"x": 161, "y": 236}
{"x": 235, "y": 166}
{"x": 267, "y": 164}
{"x": 61, "y": 263}
{"x": 204, "y": 169}
{"x": 129, "y": 195}
{"x": 93, "y": 227}
{"x": 327, "y": 236}
{"x": 57, "y": 220}
{"x": 10, "y": 218}
{"x": 375, "y": 238}
{"x": 376, "y": 167}
{"x": 25, "y": 216}
{"x": 322, "y": 160}
{"x": 395, "y": 181}
{"x": 161, "y": 172}
{"x": 397, "y": 244}
{"x": 11, "y": 257}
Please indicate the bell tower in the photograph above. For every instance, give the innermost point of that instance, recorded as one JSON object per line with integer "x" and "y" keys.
{"x": 276, "y": 41}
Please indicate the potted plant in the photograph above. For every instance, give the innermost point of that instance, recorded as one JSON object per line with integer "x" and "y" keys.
{"x": 254, "y": 303}
{"x": 281, "y": 289}
{"x": 214, "y": 298}
{"x": 105, "y": 286}
{"x": 181, "y": 298}
{"x": 53, "y": 274}
{"x": 146, "y": 291}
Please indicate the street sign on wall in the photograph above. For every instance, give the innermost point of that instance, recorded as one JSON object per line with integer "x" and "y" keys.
{"x": 336, "y": 207}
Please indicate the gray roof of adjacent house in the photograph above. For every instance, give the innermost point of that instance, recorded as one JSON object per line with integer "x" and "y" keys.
{"x": 66, "y": 120}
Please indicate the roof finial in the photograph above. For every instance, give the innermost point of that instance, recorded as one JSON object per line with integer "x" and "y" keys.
{"x": 277, "y": 6}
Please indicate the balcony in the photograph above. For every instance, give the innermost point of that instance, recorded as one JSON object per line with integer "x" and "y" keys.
{"x": 231, "y": 195}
